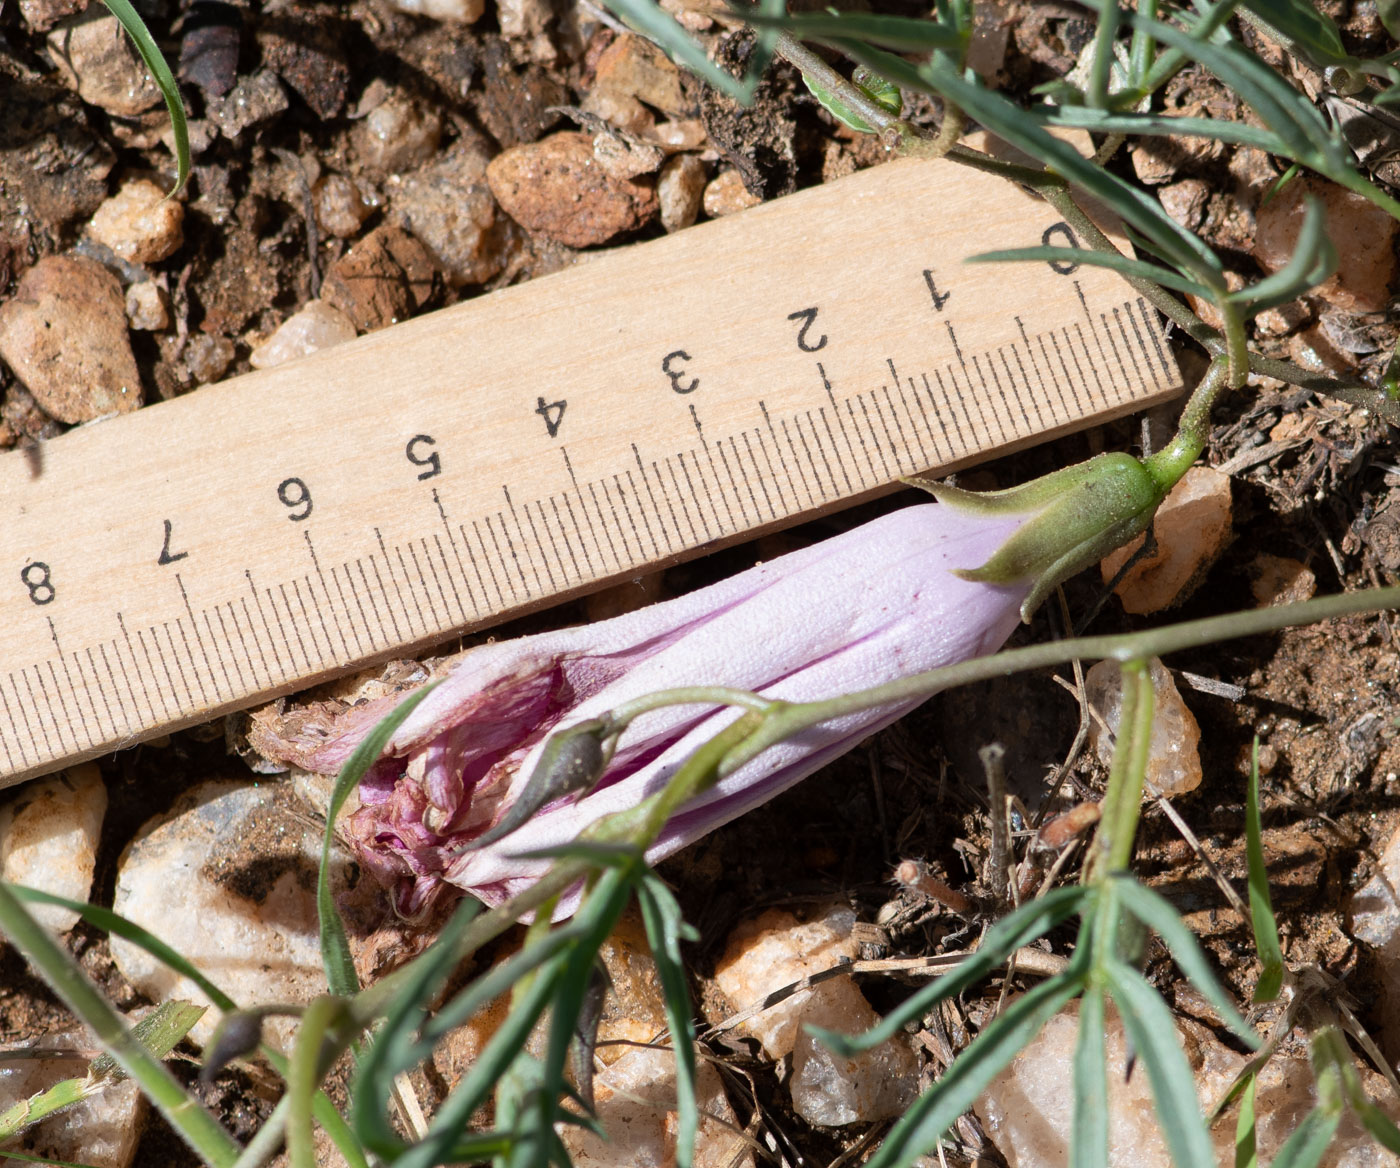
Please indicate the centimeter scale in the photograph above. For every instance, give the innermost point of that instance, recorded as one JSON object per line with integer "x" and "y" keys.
{"x": 207, "y": 553}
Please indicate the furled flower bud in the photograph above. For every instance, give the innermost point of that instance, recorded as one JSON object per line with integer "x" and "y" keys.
{"x": 476, "y": 775}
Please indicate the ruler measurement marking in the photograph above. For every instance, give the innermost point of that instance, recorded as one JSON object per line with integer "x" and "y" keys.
{"x": 709, "y": 455}
{"x": 267, "y": 627}
{"x": 378, "y": 593}
{"x": 315, "y": 656}
{"x": 782, "y": 461}
{"x": 34, "y": 705}
{"x": 485, "y": 557}
{"x": 760, "y": 476}
{"x": 291, "y": 620}
{"x": 655, "y": 509}
{"x": 609, "y": 528}
{"x": 135, "y": 664}
{"x": 534, "y": 532}
{"x": 671, "y": 502}
{"x": 369, "y": 593}
{"x": 937, "y": 411}
{"x": 914, "y": 427}
{"x": 807, "y": 450}
{"x": 337, "y": 616}
{"x": 451, "y": 579}
{"x": 1152, "y": 322}
{"x": 840, "y": 421}
{"x": 1004, "y": 417}
{"x": 899, "y": 451}
{"x": 864, "y": 447}
{"x": 421, "y": 585}
{"x": 1112, "y": 348}
{"x": 773, "y": 476}
{"x": 797, "y": 462}
{"x": 457, "y": 555}
{"x": 1020, "y": 376}
{"x": 866, "y": 403}
{"x": 58, "y": 689}
{"x": 519, "y": 539}
{"x": 26, "y": 708}
{"x": 500, "y": 558}
{"x": 1064, "y": 367}
{"x": 345, "y": 607}
{"x": 1043, "y": 371}
{"x": 243, "y": 685}
{"x": 14, "y": 724}
{"x": 1132, "y": 313}
{"x": 102, "y": 691}
{"x": 694, "y": 495}
{"x": 734, "y": 490}
{"x": 407, "y": 585}
{"x": 582, "y": 545}
{"x": 564, "y": 535}
{"x": 47, "y": 692}
{"x": 128, "y": 715}
{"x": 592, "y": 531}
{"x": 394, "y": 580}
{"x": 1102, "y": 363}
{"x": 1080, "y": 378}
{"x": 204, "y": 652}
{"x": 948, "y": 408}
{"x": 168, "y": 692}
{"x": 680, "y": 498}
{"x": 827, "y": 459}
{"x": 1133, "y": 349}
{"x": 632, "y": 507}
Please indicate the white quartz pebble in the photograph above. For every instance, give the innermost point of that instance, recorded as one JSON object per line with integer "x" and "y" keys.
{"x": 48, "y": 839}
{"x": 776, "y": 950}
{"x": 1174, "y": 757}
{"x": 228, "y": 879}
{"x": 317, "y": 326}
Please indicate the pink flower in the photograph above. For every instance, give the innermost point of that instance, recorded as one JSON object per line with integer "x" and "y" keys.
{"x": 873, "y": 604}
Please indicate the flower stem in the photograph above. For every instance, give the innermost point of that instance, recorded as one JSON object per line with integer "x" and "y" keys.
{"x": 1123, "y": 799}
{"x": 1193, "y": 431}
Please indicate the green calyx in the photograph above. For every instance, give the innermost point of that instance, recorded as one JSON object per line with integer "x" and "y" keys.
{"x": 1077, "y": 516}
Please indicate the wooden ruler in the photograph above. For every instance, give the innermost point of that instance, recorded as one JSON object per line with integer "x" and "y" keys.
{"x": 257, "y": 536}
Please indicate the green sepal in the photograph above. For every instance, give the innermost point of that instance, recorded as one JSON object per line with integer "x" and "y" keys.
{"x": 1077, "y": 516}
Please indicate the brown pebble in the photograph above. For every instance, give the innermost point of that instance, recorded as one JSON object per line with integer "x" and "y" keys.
{"x": 448, "y": 206}
{"x": 384, "y": 278}
{"x": 556, "y": 187}
{"x": 1361, "y": 231}
{"x": 1279, "y": 580}
{"x": 633, "y": 67}
{"x": 64, "y": 334}
{"x": 1059, "y": 831}
{"x": 1192, "y": 528}
{"x": 727, "y": 194}
{"x": 341, "y": 209}
{"x": 97, "y": 60}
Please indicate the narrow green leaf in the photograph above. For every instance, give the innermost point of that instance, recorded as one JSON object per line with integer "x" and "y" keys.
{"x": 1021, "y": 927}
{"x": 1307, "y": 29}
{"x": 1246, "y": 1151}
{"x": 1261, "y": 909}
{"x": 665, "y": 930}
{"x": 918, "y": 1131}
{"x": 1089, "y": 1135}
{"x": 140, "y": 36}
{"x": 1152, "y": 1031}
{"x": 901, "y": 33}
{"x": 1098, "y": 259}
{"x": 838, "y": 109}
{"x": 1160, "y": 126}
{"x": 1156, "y": 912}
{"x": 335, "y": 946}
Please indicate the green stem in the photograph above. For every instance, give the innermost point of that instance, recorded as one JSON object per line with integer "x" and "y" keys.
{"x": 1193, "y": 431}
{"x": 1122, "y": 803}
{"x": 182, "y": 1111}
{"x": 1118, "y": 647}
{"x": 707, "y": 695}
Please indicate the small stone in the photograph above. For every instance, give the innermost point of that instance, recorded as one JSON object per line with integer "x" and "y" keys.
{"x": 624, "y": 156}
{"x": 42, "y": 15}
{"x": 681, "y": 134}
{"x": 48, "y": 840}
{"x": 98, "y": 61}
{"x": 556, "y": 187}
{"x": 139, "y": 223}
{"x": 317, "y": 326}
{"x": 461, "y": 11}
{"x": 228, "y": 878}
{"x": 1283, "y": 319}
{"x": 399, "y": 134}
{"x": 680, "y": 190}
{"x": 253, "y": 101}
{"x": 1362, "y": 233}
{"x": 635, "y": 1099}
{"x": 148, "y": 307}
{"x": 309, "y": 55}
{"x": 1186, "y": 201}
{"x": 1027, "y": 1111}
{"x": 341, "y": 208}
{"x": 1279, "y": 580}
{"x": 634, "y": 67}
{"x": 383, "y": 279}
{"x": 207, "y": 357}
{"x": 102, "y": 1130}
{"x": 64, "y": 335}
{"x": 617, "y": 109}
{"x": 726, "y": 194}
{"x": 523, "y": 20}
{"x": 776, "y": 950}
{"x": 1174, "y": 757}
{"x": 448, "y": 206}
{"x": 1192, "y": 529}
{"x": 1313, "y": 350}
{"x": 210, "y": 40}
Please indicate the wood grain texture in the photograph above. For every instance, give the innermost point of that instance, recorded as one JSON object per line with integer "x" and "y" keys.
{"x": 256, "y": 536}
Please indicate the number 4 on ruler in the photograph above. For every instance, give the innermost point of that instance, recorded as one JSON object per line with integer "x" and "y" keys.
{"x": 552, "y": 413}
